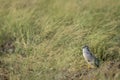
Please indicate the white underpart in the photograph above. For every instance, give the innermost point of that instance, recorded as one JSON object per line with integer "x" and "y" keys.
{"x": 88, "y": 57}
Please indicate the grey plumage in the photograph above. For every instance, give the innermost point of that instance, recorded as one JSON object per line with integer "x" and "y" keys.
{"x": 89, "y": 57}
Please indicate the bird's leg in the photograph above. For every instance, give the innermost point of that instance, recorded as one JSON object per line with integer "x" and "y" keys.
{"x": 89, "y": 66}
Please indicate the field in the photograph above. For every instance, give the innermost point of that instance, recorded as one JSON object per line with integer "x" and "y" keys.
{"x": 43, "y": 39}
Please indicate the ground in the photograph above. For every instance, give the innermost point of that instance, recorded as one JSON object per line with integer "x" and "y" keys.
{"x": 43, "y": 39}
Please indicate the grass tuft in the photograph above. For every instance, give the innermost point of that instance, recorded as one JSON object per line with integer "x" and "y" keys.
{"x": 48, "y": 37}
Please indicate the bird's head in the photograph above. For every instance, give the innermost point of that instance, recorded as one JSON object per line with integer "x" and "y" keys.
{"x": 85, "y": 47}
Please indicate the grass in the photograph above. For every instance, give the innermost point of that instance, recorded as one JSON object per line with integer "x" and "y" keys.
{"x": 48, "y": 36}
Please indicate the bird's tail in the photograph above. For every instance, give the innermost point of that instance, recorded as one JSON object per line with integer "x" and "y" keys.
{"x": 97, "y": 62}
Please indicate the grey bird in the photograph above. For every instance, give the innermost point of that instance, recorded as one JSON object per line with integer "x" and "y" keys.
{"x": 89, "y": 57}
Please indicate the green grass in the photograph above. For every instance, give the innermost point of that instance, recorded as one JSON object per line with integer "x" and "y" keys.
{"x": 49, "y": 35}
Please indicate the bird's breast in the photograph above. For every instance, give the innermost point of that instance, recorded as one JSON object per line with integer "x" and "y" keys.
{"x": 87, "y": 55}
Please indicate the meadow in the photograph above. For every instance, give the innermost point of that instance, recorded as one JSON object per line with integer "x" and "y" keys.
{"x": 43, "y": 39}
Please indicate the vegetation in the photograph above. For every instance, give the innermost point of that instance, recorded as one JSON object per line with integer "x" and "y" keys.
{"x": 43, "y": 39}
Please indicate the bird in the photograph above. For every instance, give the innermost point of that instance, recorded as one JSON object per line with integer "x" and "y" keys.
{"x": 89, "y": 57}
